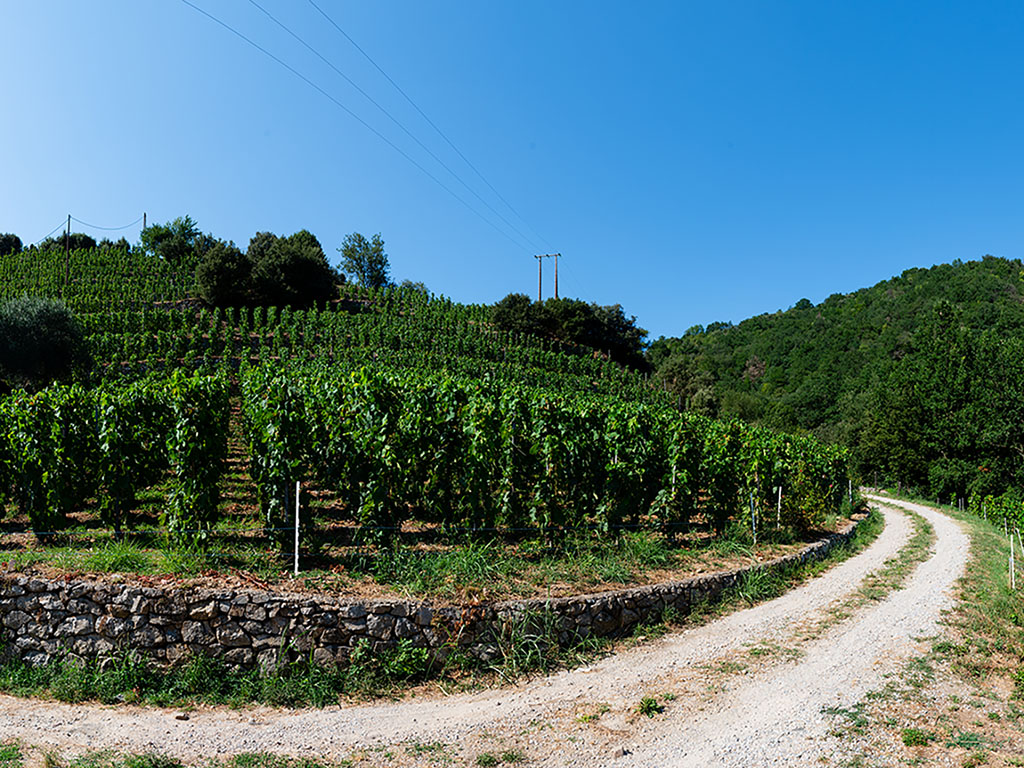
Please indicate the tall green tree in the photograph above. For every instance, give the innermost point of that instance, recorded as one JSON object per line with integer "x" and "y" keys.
{"x": 925, "y": 419}
{"x": 291, "y": 270}
{"x": 9, "y": 243}
{"x": 365, "y": 260}
{"x": 179, "y": 242}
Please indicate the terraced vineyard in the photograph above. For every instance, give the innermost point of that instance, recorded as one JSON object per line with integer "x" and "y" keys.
{"x": 398, "y": 407}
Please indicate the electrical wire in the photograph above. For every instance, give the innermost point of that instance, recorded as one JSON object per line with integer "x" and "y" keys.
{"x": 353, "y": 115}
{"x": 107, "y": 229}
{"x": 59, "y": 226}
{"x": 429, "y": 121}
{"x": 393, "y": 119}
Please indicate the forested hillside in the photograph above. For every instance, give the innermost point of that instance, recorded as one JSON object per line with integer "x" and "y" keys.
{"x": 921, "y": 375}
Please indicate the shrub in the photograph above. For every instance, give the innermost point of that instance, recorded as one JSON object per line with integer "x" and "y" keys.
{"x": 40, "y": 341}
{"x": 224, "y": 276}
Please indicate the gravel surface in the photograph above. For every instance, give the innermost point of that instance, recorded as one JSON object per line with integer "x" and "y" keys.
{"x": 766, "y": 715}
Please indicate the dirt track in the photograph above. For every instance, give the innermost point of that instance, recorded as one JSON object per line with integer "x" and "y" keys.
{"x": 770, "y": 714}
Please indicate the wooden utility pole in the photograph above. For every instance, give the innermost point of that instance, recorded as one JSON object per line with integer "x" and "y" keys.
{"x": 67, "y": 253}
{"x": 539, "y": 258}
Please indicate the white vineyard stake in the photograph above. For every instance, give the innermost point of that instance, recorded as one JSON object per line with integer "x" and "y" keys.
{"x": 778, "y": 510}
{"x": 1013, "y": 576}
{"x": 753, "y": 518}
{"x": 297, "y": 493}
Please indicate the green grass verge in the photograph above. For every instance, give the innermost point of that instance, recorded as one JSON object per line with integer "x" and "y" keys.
{"x": 110, "y": 759}
{"x": 10, "y": 755}
{"x": 448, "y": 568}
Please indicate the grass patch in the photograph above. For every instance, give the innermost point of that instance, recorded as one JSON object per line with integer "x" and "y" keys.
{"x": 110, "y": 759}
{"x": 131, "y": 679}
{"x": 423, "y": 563}
{"x": 119, "y": 557}
{"x": 492, "y": 569}
{"x": 10, "y": 755}
{"x": 855, "y": 718}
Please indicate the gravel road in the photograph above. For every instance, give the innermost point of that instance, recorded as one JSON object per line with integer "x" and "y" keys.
{"x": 768, "y": 713}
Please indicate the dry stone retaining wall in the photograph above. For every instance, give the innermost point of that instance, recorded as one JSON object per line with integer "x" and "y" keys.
{"x": 45, "y": 619}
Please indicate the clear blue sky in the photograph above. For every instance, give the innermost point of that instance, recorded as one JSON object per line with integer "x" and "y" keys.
{"x": 692, "y": 161}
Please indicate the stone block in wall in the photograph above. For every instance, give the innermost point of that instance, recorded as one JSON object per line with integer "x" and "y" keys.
{"x": 424, "y": 615}
{"x": 231, "y": 635}
{"x": 146, "y": 637}
{"x": 403, "y": 609}
{"x": 76, "y": 625}
{"x": 90, "y": 646}
{"x": 261, "y": 642}
{"x": 353, "y": 611}
{"x": 195, "y": 632}
{"x": 357, "y": 626}
{"x": 255, "y": 613}
{"x": 16, "y": 619}
{"x": 380, "y": 626}
{"x": 111, "y": 626}
{"x": 203, "y": 611}
{"x": 404, "y": 629}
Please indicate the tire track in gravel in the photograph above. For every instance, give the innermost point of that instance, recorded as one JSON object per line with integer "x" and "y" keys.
{"x": 539, "y": 716}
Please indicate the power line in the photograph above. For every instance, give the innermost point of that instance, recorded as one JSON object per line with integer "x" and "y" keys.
{"x": 424, "y": 116}
{"x": 392, "y": 118}
{"x": 59, "y": 226}
{"x": 353, "y": 115}
{"x": 107, "y": 229}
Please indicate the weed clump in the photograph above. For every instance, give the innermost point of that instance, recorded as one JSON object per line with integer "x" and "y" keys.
{"x": 916, "y": 737}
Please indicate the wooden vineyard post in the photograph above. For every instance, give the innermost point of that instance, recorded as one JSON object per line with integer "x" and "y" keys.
{"x": 778, "y": 510}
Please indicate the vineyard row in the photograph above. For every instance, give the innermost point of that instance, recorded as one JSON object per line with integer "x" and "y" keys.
{"x": 396, "y": 447}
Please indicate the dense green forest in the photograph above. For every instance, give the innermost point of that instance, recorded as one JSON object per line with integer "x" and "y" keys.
{"x": 922, "y": 375}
